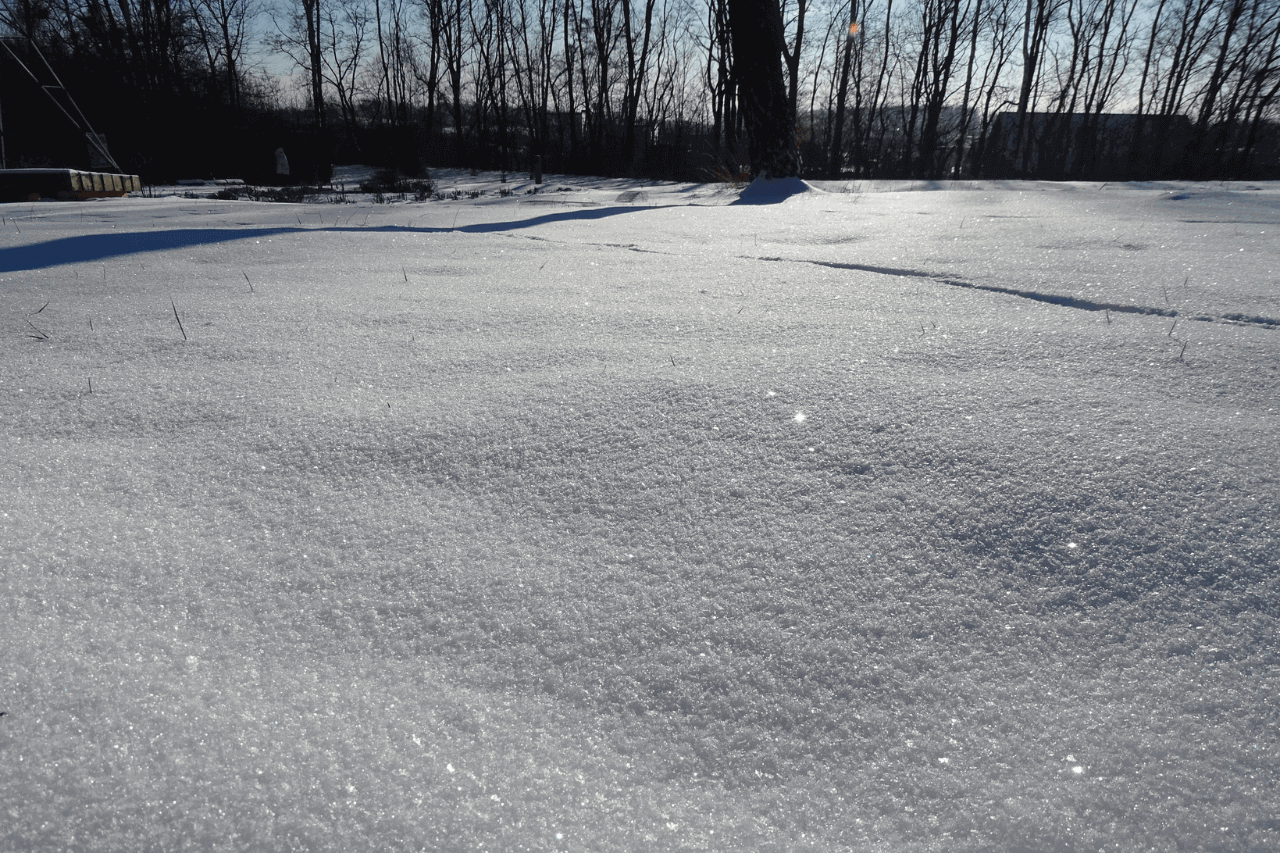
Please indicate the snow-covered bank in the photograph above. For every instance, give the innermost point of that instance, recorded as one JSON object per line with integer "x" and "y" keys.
{"x": 622, "y": 518}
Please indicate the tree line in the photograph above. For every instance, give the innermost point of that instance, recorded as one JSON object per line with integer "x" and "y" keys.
{"x": 927, "y": 89}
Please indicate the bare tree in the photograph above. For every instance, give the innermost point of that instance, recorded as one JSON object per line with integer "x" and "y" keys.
{"x": 572, "y": 32}
{"x": 493, "y": 73}
{"x": 718, "y": 74}
{"x": 859, "y": 91}
{"x": 879, "y": 95}
{"x": 1241, "y": 87}
{"x": 966, "y": 110}
{"x": 446, "y": 25}
{"x": 668, "y": 63}
{"x": 396, "y": 61}
{"x": 1039, "y": 16}
{"x": 143, "y": 42}
{"x": 849, "y": 63}
{"x": 834, "y": 35}
{"x": 428, "y": 71}
{"x": 533, "y": 48}
{"x": 223, "y": 29}
{"x": 315, "y": 61}
{"x": 636, "y": 38}
{"x": 1227, "y": 25}
{"x": 663, "y": 89}
{"x": 792, "y": 49}
{"x": 758, "y": 45}
{"x": 941, "y": 22}
{"x": 1259, "y": 86}
{"x": 300, "y": 37}
{"x": 1099, "y": 47}
{"x": 1101, "y": 44}
{"x": 29, "y": 18}
{"x": 342, "y": 33}
{"x": 1181, "y": 47}
{"x": 597, "y": 68}
{"x": 1000, "y": 29}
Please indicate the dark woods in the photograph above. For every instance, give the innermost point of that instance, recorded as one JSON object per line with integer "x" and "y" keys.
{"x": 928, "y": 89}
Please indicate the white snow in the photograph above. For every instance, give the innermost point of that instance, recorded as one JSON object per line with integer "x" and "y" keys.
{"x": 533, "y": 520}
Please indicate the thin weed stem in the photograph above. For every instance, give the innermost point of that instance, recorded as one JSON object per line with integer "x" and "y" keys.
{"x": 179, "y": 319}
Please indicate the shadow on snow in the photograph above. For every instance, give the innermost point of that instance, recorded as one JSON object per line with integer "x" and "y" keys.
{"x": 88, "y": 248}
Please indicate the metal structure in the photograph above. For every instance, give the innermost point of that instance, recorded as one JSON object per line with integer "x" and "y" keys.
{"x": 82, "y": 124}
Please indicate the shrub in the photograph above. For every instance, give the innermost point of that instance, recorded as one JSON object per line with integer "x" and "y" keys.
{"x": 386, "y": 181}
{"x": 292, "y": 195}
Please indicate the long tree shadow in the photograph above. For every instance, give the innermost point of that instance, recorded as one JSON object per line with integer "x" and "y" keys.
{"x": 585, "y": 213}
{"x": 84, "y": 248}
{"x": 1050, "y": 298}
{"x": 87, "y": 248}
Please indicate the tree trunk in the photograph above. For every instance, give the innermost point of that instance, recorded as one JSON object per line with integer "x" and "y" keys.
{"x": 568, "y": 76}
{"x": 1196, "y": 149}
{"x": 835, "y": 159}
{"x": 966, "y": 108}
{"x": 311, "y": 10}
{"x": 791, "y": 59}
{"x": 756, "y": 28}
{"x": 1039, "y": 17}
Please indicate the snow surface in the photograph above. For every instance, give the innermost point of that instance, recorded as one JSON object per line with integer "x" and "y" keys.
{"x": 361, "y": 526}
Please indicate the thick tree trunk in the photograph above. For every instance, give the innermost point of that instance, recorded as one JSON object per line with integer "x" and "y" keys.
{"x": 311, "y": 10}
{"x": 756, "y": 28}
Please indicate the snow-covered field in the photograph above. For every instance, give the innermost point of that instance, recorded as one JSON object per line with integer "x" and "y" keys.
{"x": 626, "y": 516}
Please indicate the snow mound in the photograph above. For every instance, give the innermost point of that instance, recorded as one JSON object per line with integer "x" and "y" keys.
{"x": 773, "y": 190}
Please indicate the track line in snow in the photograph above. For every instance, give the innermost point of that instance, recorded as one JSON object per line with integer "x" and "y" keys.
{"x": 1234, "y": 318}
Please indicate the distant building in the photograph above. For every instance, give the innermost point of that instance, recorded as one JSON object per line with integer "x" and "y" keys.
{"x": 1087, "y": 147}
